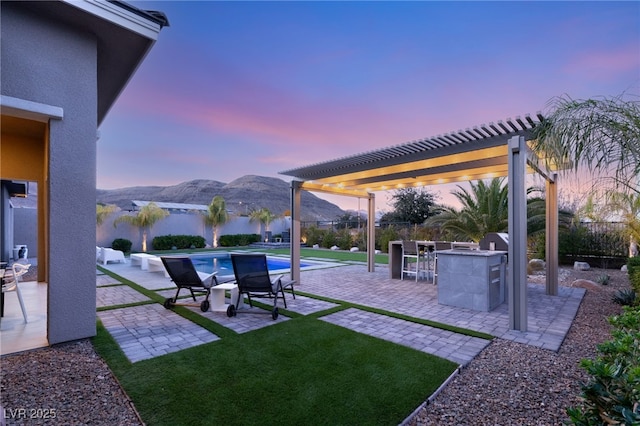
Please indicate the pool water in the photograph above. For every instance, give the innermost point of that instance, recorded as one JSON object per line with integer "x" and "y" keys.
{"x": 222, "y": 264}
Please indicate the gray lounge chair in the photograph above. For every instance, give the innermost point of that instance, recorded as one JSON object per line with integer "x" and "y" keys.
{"x": 184, "y": 275}
{"x": 253, "y": 280}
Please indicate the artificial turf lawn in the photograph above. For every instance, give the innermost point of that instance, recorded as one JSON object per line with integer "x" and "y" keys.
{"x": 303, "y": 371}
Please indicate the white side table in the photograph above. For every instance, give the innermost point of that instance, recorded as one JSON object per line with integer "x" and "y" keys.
{"x": 217, "y": 296}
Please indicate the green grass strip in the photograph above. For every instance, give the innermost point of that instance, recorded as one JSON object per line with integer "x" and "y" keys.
{"x": 299, "y": 372}
{"x": 335, "y": 255}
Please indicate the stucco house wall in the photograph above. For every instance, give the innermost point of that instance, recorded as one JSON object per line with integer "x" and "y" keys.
{"x": 64, "y": 64}
{"x": 49, "y": 63}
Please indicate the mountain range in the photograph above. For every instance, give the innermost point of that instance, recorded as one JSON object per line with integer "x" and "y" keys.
{"x": 241, "y": 196}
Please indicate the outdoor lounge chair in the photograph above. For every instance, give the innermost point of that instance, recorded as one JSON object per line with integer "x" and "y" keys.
{"x": 105, "y": 254}
{"x": 252, "y": 278}
{"x": 184, "y": 275}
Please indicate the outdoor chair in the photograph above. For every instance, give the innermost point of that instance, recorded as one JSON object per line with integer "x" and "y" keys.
{"x": 105, "y": 254}
{"x": 184, "y": 275}
{"x": 410, "y": 259}
{"x": 252, "y": 278}
{"x": 10, "y": 284}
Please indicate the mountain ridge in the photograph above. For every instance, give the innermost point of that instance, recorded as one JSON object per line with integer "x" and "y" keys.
{"x": 242, "y": 195}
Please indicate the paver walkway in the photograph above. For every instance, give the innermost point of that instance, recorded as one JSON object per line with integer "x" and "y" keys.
{"x": 549, "y": 317}
{"x": 151, "y": 330}
{"x": 147, "y": 331}
{"x": 455, "y": 347}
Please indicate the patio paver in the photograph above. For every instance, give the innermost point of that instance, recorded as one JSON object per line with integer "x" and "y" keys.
{"x": 455, "y": 347}
{"x": 549, "y": 316}
{"x": 147, "y": 331}
{"x": 118, "y": 295}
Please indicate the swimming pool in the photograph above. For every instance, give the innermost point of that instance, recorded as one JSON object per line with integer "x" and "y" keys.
{"x": 221, "y": 262}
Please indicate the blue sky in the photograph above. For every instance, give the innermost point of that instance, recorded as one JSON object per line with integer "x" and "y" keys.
{"x": 237, "y": 88}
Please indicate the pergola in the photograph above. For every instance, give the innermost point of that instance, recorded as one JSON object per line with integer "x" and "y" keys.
{"x": 482, "y": 152}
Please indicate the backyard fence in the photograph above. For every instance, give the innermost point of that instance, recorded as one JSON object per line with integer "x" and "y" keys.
{"x": 603, "y": 242}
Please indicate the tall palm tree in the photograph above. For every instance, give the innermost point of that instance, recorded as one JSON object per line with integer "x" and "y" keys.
{"x": 145, "y": 219}
{"x": 215, "y": 216}
{"x": 103, "y": 211}
{"x": 484, "y": 209}
{"x": 264, "y": 216}
{"x": 602, "y": 134}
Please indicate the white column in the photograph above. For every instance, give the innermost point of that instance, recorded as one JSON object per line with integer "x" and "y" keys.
{"x": 295, "y": 231}
{"x": 551, "y": 235}
{"x": 371, "y": 234}
{"x": 517, "y": 275}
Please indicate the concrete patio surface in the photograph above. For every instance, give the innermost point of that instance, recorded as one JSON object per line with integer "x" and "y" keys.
{"x": 150, "y": 330}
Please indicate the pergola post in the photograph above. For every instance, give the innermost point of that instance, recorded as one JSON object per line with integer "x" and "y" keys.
{"x": 295, "y": 231}
{"x": 371, "y": 233}
{"x": 517, "y": 275}
{"x": 551, "y": 248}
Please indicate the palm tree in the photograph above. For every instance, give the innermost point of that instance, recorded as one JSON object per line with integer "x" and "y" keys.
{"x": 627, "y": 205}
{"x": 536, "y": 214}
{"x": 264, "y": 216}
{"x": 603, "y": 134}
{"x": 215, "y": 216}
{"x": 102, "y": 211}
{"x": 484, "y": 209}
{"x": 147, "y": 216}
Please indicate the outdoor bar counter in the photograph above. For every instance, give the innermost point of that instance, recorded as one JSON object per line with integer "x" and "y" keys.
{"x": 472, "y": 279}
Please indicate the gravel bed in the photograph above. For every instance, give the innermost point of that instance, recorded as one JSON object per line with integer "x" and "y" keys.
{"x": 65, "y": 384}
{"x": 508, "y": 383}
{"x": 514, "y": 384}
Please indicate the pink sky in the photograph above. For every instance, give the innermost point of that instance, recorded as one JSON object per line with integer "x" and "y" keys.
{"x": 237, "y": 88}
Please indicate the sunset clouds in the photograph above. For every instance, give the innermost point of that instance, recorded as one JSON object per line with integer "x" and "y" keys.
{"x": 234, "y": 88}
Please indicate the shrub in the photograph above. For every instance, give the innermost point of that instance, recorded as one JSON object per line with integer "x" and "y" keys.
{"x": 612, "y": 396}
{"x": 329, "y": 239}
{"x": 313, "y": 235}
{"x": 238, "y": 240}
{"x": 385, "y": 235}
{"x": 121, "y": 244}
{"x": 625, "y": 297}
{"x": 344, "y": 240}
{"x": 603, "y": 279}
{"x": 172, "y": 242}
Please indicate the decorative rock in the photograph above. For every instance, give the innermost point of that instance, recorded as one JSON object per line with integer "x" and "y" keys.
{"x": 335, "y": 248}
{"x": 624, "y": 268}
{"x": 581, "y": 266}
{"x": 352, "y": 249}
{"x": 536, "y": 264}
{"x": 586, "y": 284}
{"x": 316, "y": 246}
{"x": 377, "y": 252}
